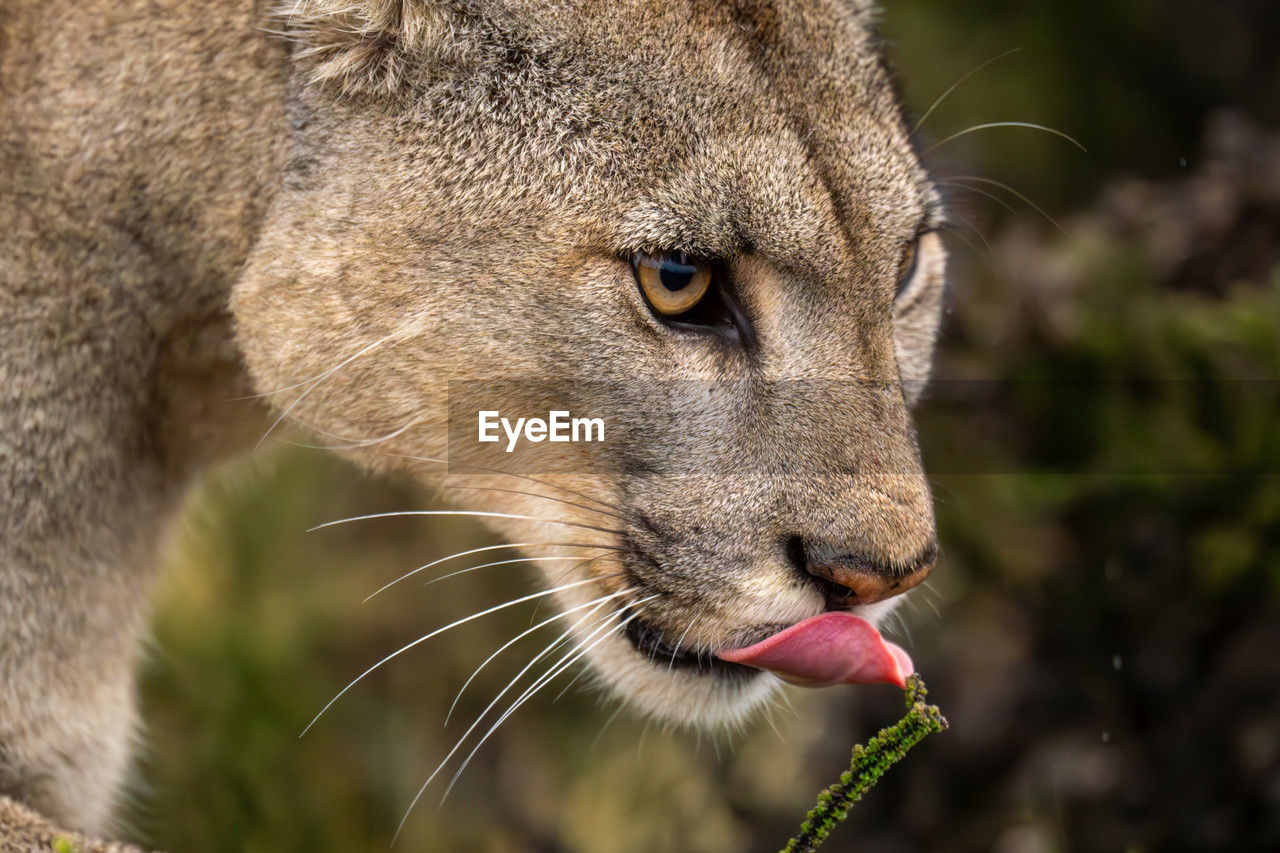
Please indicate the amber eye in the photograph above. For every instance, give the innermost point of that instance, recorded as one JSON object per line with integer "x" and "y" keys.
{"x": 673, "y": 282}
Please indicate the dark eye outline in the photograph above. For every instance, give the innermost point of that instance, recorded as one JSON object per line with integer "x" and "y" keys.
{"x": 718, "y": 311}
{"x": 909, "y": 265}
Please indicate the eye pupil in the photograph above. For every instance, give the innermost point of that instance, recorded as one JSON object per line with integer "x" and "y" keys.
{"x": 672, "y": 282}
{"x": 676, "y": 273}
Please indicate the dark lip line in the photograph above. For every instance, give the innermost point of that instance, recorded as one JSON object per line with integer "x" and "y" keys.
{"x": 649, "y": 642}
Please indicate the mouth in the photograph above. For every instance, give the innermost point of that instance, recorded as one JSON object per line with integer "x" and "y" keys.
{"x": 648, "y": 640}
{"x": 836, "y": 647}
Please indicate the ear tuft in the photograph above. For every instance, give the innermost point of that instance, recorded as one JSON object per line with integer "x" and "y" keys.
{"x": 366, "y": 46}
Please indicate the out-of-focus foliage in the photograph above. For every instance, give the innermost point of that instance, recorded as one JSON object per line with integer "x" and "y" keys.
{"x": 1132, "y": 80}
{"x": 1105, "y": 442}
{"x": 1105, "y": 438}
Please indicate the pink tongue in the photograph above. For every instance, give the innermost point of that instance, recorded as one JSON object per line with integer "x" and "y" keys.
{"x": 831, "y": 648}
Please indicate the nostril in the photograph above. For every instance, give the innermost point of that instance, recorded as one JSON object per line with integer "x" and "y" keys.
{"x": 836, "y": 594}
{"x": 851, "y": 579}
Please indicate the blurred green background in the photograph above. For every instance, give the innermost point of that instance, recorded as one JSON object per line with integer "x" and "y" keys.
{"x": 1103, "y": 630}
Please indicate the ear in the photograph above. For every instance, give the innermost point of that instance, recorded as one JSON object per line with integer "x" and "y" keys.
{"x": 367, "y": 46}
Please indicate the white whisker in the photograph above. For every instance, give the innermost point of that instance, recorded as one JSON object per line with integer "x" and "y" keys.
{"x": 439, "y": 631}
{"x": 991, "y": 124}
{"x": 603, "y": 512}
{"x": 550, "y": 648}
{"x": 524, "y": 477}
{"x": 786, "y": 700}
{"x": 932, "y": 598}
{"x": 904, "y": 630}
{"x": 564, "y": 663}
{"x": 538, "y": 607}
{"x": 509, "y": 643}
{"x": 1011, "y": 190}
{"x": 964, "y": 221}
{"x": 469, "y": 569}
{"x": 463, "y": 512}
{"x": 992, "y": 196}
{"x": 609, "y": 722}
{"x": 952, "y": 232}
{"x": 426, "y": 566}
{"x": 956, "y": 85}
{"x": 768, "y": 715}
{"x": 315, "y": 383}
{"x": 433, "y": 563}
{"x": 349, "y": 443}
{"x": 572, "y": 681}
{"x": 309, "y": 380}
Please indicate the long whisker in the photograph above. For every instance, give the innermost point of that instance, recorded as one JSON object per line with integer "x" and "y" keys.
{"x": 957, "y": 222}
{"x": 548, "y": 650}
{"x": 542, "y": 681}
{"x": 465, "y": 512}
{"x": 426, "y": 566}
{"x": 439, "y": 631}
{"x": 600, "y": 734}
{"x": 524, "y": 477}
{"x": 317, "y": 382}
{"x": 786, "y": 700}
{"x": 572, "y": 681}
{"x": 555, "y": 669}
{"x": 904, "y": 630}
{"x": 928, "y": 593}
{"x": 537, "y": 608}
{"x": 349, "y": 443}
{"x": 991, "y": 124}
{"x": 954, "y": 232}
{"x": 310, "y": 379}
{"x": 961, "y": 186}
{"x": 768, "y": 715}
{"x": 1009, "y": 189}
{"x": 956, "y": 85}
{"x": 490, "y": 548}
{"x": 509, "y": 643}
{"x": 603, "y": 512}
{"x": 582, "y": 562}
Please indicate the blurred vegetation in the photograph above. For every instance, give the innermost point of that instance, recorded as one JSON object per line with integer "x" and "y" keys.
{"x": 1106, "y": 454}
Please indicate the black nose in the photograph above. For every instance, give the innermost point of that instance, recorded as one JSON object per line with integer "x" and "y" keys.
{"x": 856, "y": 579}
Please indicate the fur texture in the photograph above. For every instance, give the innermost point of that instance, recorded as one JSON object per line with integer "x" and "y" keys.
{"x": 345, "y": 205}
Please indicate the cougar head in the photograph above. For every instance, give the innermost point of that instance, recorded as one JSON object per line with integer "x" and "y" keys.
{"x": 712, "y": 213}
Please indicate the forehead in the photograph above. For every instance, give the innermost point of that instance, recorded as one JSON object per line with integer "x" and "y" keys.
{"x": 777, "y": 116}
{"x": 707, "y": 126}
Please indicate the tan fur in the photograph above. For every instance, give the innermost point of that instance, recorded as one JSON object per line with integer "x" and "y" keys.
{"x": 414, "y": 192}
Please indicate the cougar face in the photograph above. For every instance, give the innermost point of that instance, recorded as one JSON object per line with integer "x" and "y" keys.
{"x": 714, "y": 197}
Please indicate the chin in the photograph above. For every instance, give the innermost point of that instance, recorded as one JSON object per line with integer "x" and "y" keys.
{"x": 707, "y": 694}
